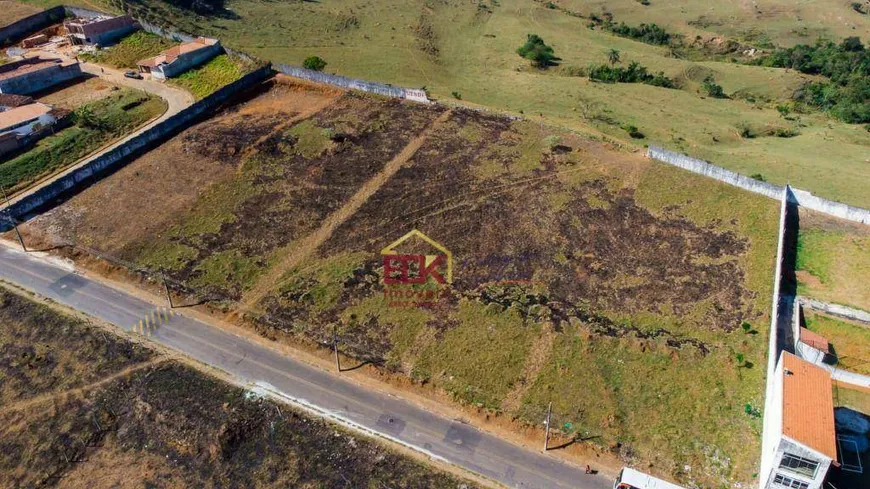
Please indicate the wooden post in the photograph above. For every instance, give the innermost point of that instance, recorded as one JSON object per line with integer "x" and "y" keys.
{"x": 166, "y": 288}
{"x": 12, "y": 220}
{"x": 335, "y": 348}
{"x": 547, "y": 433}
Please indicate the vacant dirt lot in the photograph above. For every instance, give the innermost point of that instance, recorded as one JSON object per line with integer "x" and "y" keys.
{"x": 13, "y": 11}
{"x": 610, "y": 285}
{"x": 108, "y": 413}
{"x": 73, "y": 95}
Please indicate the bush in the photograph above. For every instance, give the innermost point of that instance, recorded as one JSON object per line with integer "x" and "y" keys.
{"x": 456, "y": 95}
{"x": 760, "y": 178}
{"x": 537, "y": 51}
{"x": 647, "y": 33}
{"x": 713, "y": 89}
{"x": 633, "y": 73}
{"x": 745, "y": 131}
{"x": 633, "y": 131}
{"x": 315, "y": 63}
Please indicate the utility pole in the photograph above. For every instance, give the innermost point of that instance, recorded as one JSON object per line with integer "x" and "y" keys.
{"x": 335, "y": 348}
{"x": 12, "y": 220}
{"x": 166, "y": 288}
{"x": 547, "y": 433}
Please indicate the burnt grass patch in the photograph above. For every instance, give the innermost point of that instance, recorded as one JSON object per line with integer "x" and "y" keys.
{"x": 284, "y": 191}
{"x": 182, "y": 428}
{"x": 595, "y": 253}
{"x": 42, "y": 352}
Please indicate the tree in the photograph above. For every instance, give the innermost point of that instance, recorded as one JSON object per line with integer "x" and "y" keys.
{"x": 613, "y": 57}
{"x": 712, "y": 88}
{"x": 537, "y": 51}
{"x": 315, "y": 63}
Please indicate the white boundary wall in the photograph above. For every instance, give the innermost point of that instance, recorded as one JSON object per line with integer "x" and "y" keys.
{"x": 770, "y": 431}
{"x": 800, "y": 197}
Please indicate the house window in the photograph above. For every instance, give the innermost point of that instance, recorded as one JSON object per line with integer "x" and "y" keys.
{"x": 799, "y": 465}
{"x": 783, "y": 481}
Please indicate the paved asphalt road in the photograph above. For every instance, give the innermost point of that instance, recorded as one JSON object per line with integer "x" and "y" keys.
{"x": 252, "y": 363}
{"x": 176, "y": 99}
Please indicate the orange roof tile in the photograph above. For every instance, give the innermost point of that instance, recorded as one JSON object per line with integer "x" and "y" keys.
{"x": 815, "y": 340}
{"x": 808, "y": 406}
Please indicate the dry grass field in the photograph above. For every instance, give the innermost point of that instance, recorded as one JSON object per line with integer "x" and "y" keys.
{"x": 83, "y": 408}
{"x": 583, "y": 274}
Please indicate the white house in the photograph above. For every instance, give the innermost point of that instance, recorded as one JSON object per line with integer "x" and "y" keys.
{"x": 803, "y": 439}
{"x": 24, "y": 120}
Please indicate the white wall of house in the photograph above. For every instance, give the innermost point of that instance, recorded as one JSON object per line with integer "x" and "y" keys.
{"x": 772, "y": 436}
{"x": 785, "y": 477}
{"x": 32, "y": 126}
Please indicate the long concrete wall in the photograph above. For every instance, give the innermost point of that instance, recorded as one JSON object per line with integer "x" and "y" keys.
{"x": 836, "y": 310}
{"x": 800, "y": 197}
{"x": 121, "y": 155}
{"x": 22, "y": 28}
{"x": 352, "y": 83}
{"x": 770, "y": 436}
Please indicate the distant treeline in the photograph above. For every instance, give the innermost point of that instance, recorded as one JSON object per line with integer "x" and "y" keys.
{"x": 846, "y": 93}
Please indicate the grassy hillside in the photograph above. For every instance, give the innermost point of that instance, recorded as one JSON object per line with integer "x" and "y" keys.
{"x": 469, "y": 49}
{"x": 613, "y": 286}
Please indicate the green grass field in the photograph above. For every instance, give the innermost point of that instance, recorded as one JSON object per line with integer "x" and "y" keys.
{"x": 128, "y": 51}
{"x": 470, "y": 48}
{"x": 833, "y": 260}
{"x": 851, "y": 341}
{"x": 95, "y": 124}
{"x": 208, "y": 78}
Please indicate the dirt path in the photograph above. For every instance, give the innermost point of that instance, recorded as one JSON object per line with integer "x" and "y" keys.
{"x": 308, "y": 245}
{"x": 27, "y": 403}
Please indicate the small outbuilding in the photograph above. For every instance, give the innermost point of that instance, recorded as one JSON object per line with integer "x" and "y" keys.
{"x": 178, "y": 59}
{"x": 101, "y": 30}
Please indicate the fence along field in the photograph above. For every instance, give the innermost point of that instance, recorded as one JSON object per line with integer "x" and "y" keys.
{"x": 215, "y": 233}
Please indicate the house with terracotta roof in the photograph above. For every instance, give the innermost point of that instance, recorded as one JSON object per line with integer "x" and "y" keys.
{"x": 803, "y": 442}
{"x": 178, "y": 59}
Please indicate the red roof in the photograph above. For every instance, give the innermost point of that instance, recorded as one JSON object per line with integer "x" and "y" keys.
{"x": 808, "y": 405}
{"x": 815, "y": 340}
